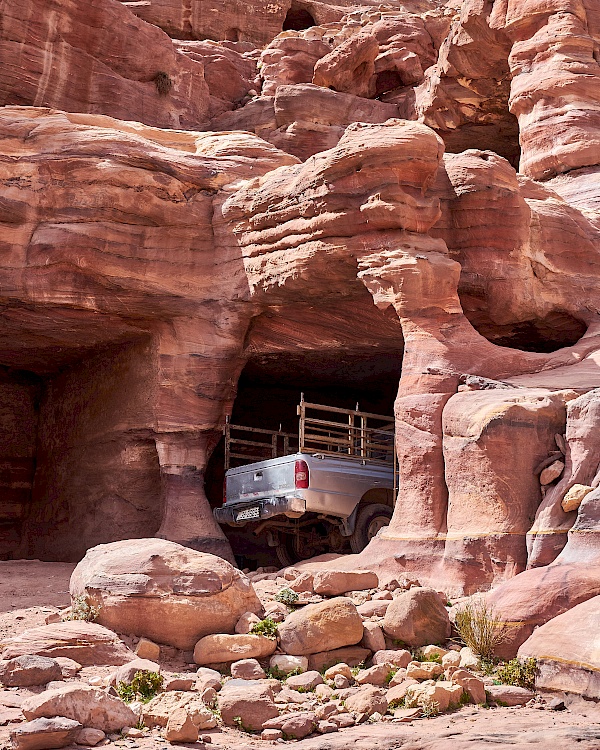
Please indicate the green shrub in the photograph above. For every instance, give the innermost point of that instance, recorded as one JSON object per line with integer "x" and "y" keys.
{"x": 287, "y": 596}
{"x": 429, "y": 709}
{"x": 420, "y": 656}
{"x": 81, "y": 609}
{"x": 266, "y": 627}
{"x": 390, "y": 675}
{"x": 143, "y": 687}
{"x": 519, "y": 673}
{"x": 478, "y": 626}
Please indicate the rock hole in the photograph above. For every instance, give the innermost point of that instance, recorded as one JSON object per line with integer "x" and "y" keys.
{"x": 298, "y": 19}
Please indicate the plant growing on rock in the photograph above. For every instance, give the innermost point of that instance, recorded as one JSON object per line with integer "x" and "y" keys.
{"x": 429, "y": 709}
{"x": 81, "y": 609}
{"x": 479, "y": 628}
{"x": 519, "y": 673}
{"x": 143, "y": 687}
{"x": 266, "y": 628}
{"x": 287, "y": 596}
{"x": 163, "y": 82}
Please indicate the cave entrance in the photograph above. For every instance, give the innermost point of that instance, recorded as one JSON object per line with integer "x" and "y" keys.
{"x": 78, "y": 466}
{"x": 269, "y": 391}
{"x": 298, "y": 19}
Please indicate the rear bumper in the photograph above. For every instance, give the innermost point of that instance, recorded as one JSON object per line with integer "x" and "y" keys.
{"x": 292, "y": 507}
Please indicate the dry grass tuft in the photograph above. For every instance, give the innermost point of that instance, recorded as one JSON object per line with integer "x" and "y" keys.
{"x": 478, "y": 626}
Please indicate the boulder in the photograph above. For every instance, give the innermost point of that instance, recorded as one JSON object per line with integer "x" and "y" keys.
{"x": 351, "y": 655}
{"x": 156, "y": 712}
{"x": 443, "y": 694}
{"x": 28, "y": 670}
{"x": 417, "y": 617}
{"x": 252, "y": 702}
{"x": 373, "y": 608}
{"x": 147, "y": 649}
{"x": 338, "y": 669}
{"x": 451, "y": 659}
{"x": 470, "y": 684}
{"x": 373, "y": 637}
{"x": 43, "y": 734}
{"x": 398, "y": 658}
{"x": 163, "y": 591}
{"x": 305, "y": 681}
{"x": 247, "y": 669}
{"x": 207, "y": 678}
{"x": 286, "y": 663}
{"x": 397, "y": 693}
{"x": 84, "y": 642}
{"x": 68, "y": 667}
{"x": 128, "y": 671}
{"x": 575, "y": 496}
{"x": 294, "y": 726}
{"x": 377, "y": 675}
{"x": 567, "y": 650}
{"x": 88, "y": 736}
{"x": 321, "y": 627}
{"x": 89, "y": 706}
{"x": 424, "y": 670}
{"x": 368, "y": 699}
{"x": 336, "y": 582}
{"x": 181, "y": 683}
{"x": 216, "y": 649}
{"x": 552, "y": 472}
{"x": 509, "y": 695}
{"x": 180, "y": 727}
{"x": 246, "y": 622}
{"x": 469, "y": 659}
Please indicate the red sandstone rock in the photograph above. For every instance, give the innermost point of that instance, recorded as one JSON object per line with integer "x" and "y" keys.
{"x": 328, "y": 625}
{"x": 349, "y": 67}
{"x": 163, "y": 591}
{"x": 566, "y": 649}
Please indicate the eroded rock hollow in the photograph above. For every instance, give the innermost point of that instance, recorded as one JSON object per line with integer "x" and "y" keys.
{"x": 391, "y": 203}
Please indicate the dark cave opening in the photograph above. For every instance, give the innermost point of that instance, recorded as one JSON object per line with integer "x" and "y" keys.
{"x": 298, "y": 19}
{"x": 387, "y": 80}
{"x": 269, "y": 390}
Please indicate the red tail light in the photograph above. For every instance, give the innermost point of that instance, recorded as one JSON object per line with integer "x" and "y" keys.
{"x": 301, "y": 475}
{"x": 224, "y": 490}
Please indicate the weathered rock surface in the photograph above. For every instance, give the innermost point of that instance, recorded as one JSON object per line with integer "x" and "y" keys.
{"x": 334, "y": 583}
{"x": 567, "y": 650}
{"x": 24, "y": 671}
{"x": 156, "y": 712}
{"x": 84, "y": 642}
{"x": 42, "y": 734}
{"x": 215, "y": 649}
{"x": 251, "y": 702}
{"x": 163, "y": 591}
{"x": 417, "y": 617}
{"x": 328, "y": 625}
{"x": 89, "y": 706}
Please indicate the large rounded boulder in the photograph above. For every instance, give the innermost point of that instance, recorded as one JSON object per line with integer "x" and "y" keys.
{"x": 327, "y": 625}
{"x": 417, "y": 617}
{"x": 163, "y": 591}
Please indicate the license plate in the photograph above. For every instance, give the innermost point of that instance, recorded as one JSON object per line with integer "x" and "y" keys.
{"x": 248, "y": 514}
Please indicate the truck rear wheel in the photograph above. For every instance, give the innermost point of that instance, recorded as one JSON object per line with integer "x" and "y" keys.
{"x": 369, "y": 520}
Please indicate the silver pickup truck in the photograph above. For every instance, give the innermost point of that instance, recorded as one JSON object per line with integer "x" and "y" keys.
{"x": 332, "y": 487}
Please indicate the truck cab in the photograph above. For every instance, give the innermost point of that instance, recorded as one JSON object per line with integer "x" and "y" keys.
{"x": 330, "y": 488}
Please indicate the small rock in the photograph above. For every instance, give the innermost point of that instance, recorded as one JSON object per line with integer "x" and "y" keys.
{"x": 45, "y": 733}
{"x": 179, "y": 682}
{"x": 424, "y": 670}
{"x": 209, "y": 697}
{"x": 377, "y": 675}
{"x": 451, "y": 659}
{"x": 252, "y": 702}
{"x": 180, "y": 727}
{"x": 294, "y": 726}
{"x": 469, "y": 660}
{"x": 509, "y": 695}
{"x": 382, "y": 596}
{"x": 575, "y": 496}
{"x": 556, "y": 705}
{"x": 398, "y": 678}
{"x": 341, "y": 682}
{"x": 398, "y": 658}
{"x": 343, "y": 720}
{"x": 417, "y": 617}
{"x": 470, "y": 684}
{"x": 552, "y": 472}
{"x": 326, "y": 727}
{"x": 246, "y": 622}
{"x": 134, "y": 733}
{"x": 407, "y": 714}
{"x": 286, "y": 664}
{"x": 351, "y": 655}
{"x": 323, "y": 691}
{"x": 368, "y": 699}
{"x": 336, "y": 582}
{"x": 156, "y": 712}
{"x": 398, "y": 692}
{"x": 68, "y": 667}
{"x": 215, "y": 649}
{"x": 28, "y": 670}
{"x": 276, "y": 611}
{"x": 338, "y": 669}
{"x": 373, "y": 609}
{"x": 147, "y": 649}
{"x": 429, "y": 651}
{"x": 327, "y": 710}
{"x": 305, "y": 681}
{"x": 88, "y": 736}
{"x": 271, "y": 734}
{"x": 207, "y": 678}
{"x": 443, "y": 693}
{"x": 373, "y": 637}
{"x": 302, "y": 583}
{"x": 247, "y": 669}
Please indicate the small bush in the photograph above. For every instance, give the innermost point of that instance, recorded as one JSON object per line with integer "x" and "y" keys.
{"x": 81, "y": 609}
{"x": 163, "y": 83}
{"x": 274, "y": 673}
{"x": 430, "y": 709}
{"x": 420, "y": 656}
{"x": 479, "y": 628}
{"x": 287, "y": 596}
{"x": 143, "y": 687}
{"x": 519, "y": 673}
{"x": 266, "y": 627}
{"x": 390, "y": 675}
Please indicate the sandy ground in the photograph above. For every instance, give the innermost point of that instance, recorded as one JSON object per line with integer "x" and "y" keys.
{"x": 29, "y": 590}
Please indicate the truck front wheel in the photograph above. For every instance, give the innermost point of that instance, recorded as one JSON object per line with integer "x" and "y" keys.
{"x": 369, "y": 520}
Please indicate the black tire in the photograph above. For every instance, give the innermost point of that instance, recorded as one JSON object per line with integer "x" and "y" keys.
{"x": 285, "y": 553}
{"x": 369, "y": 520}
